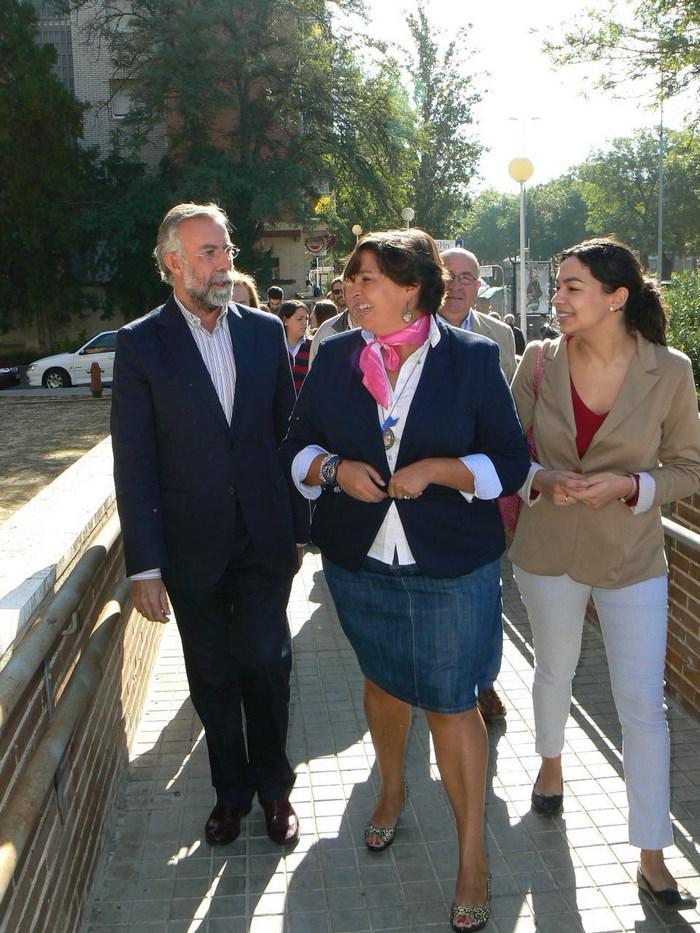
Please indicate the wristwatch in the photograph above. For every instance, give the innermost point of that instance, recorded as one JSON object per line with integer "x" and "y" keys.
{"x": 328, "y": 469}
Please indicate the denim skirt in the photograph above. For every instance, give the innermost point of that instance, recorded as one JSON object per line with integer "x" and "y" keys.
{"x": 422, "y": 639}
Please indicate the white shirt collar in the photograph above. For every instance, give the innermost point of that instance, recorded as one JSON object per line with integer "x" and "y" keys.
{"x": 194, "y": 321}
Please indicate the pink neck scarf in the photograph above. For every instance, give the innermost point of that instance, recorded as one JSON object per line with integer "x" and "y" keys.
{"x": 380, "y": 353}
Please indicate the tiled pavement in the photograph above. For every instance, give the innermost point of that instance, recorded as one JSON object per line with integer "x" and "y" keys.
{"x": 572, "y": 873}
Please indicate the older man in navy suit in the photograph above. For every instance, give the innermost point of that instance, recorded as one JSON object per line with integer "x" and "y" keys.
{"x": 202, "y": 394}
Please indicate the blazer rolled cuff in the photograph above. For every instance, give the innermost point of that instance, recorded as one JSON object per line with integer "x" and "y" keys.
{"x": 647, "y": 490}
{"x": 525, "y": 490}
{"x": 487, "y": 485}
{"x": 300, "y": 467}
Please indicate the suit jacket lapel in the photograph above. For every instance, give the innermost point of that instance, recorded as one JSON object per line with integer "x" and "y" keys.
{"x": 244, "y": 354}
{"x": 641, "y": 378}
{"x": 189, "y": 364}
{"x": 422, "y": 402}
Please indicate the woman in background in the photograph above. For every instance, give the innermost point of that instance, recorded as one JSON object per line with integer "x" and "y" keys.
{"x": 617, "y": 435}
{"x": 323, "y": 311}
{"x": 295, "y": 317}
{"x": 245, "y": 291}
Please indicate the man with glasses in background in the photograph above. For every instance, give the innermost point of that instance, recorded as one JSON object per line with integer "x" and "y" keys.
{"x": 337, "y": 294}
{"x": 459, "y": 309}
{"x": 201, "y": 397}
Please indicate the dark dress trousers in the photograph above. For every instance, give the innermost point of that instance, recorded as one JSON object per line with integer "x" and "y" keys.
{"x": 209, "y": 504}
{"x": 462, "y": 405}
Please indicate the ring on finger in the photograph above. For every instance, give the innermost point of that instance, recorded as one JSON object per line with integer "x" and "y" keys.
{"x": 566, "y": 498}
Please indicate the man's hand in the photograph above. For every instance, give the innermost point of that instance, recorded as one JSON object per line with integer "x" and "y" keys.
{"x": 151, "y": 599}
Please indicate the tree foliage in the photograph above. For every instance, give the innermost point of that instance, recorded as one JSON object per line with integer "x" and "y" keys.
{"x": 42, "y": 180}
{"x": 265, "y": 104}
{"x": 446, "y": 154}
{"x": 683, "y": 301}
{"x": 661, "y": 40}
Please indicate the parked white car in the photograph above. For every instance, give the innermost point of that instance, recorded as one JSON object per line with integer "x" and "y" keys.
{"x": 73, "y": 369}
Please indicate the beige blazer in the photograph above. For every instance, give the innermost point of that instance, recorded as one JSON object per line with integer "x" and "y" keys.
{"x": 499, "y": 332}
{"x": 652, "y": 427}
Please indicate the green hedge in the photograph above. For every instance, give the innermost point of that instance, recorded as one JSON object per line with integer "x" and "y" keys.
{"x": 683, "y": 300}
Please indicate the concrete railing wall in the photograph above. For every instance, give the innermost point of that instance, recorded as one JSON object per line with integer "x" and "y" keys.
{"x": 73, "y": 677}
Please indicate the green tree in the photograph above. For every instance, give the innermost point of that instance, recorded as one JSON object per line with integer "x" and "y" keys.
{"x": 490, "y": 229}
{"x": 264, "y": 103}
{"x": 620, "y": 187}
{"x": 661, "y": 40}
{"x": 445, "y": 151}
{"x": 556, "y": 216}
{"x": 683, "y": 301}
{"x": 43, "y": 176}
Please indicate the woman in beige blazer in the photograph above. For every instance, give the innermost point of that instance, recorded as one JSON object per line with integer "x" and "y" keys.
{"x": 617, "y": 435}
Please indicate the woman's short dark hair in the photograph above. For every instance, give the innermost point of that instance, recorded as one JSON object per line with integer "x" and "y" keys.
{"x": 289, "y": 307}
{"x": 614, "y": 265}
{"x": 407, "y": 257}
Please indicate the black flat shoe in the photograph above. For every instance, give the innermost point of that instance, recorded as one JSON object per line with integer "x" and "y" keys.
{"x": 547, "y": 804}
{"x": 673, "y": 900}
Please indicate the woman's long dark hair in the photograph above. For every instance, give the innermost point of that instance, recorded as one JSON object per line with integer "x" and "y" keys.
{"x": 614, "y": 265}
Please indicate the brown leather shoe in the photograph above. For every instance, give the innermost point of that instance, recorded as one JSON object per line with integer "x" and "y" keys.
{"x": 224, "y": 824}
{"x": 490, "y": 705}
{"x": 281, "y": 821}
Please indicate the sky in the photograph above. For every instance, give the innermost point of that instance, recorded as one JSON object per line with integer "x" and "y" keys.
{"x": 528, "y": 108}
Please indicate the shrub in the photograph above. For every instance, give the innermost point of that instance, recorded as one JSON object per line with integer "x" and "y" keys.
{"x": 683, "y": 300}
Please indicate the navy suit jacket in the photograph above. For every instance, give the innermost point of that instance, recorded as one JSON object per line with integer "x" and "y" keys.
{"x": 181, "y": 472}
{"x": 462, "y": 405}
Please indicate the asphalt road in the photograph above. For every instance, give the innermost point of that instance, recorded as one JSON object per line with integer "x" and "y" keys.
{"x": 41, "y": 434}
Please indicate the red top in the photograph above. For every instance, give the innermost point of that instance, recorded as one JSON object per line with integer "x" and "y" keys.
{"x": 587, "y": 421}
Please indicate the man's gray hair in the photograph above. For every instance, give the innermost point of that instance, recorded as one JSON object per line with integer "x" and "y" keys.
{"x": 168, "y": 240}
{"x": 460, "y": 251}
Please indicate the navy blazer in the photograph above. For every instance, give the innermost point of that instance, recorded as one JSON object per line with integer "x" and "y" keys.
{"x": 180, "y": 471}
{"x": 462, "y": 405}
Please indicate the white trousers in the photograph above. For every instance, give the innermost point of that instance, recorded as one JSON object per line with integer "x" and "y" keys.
{"x": 633, "y": 621}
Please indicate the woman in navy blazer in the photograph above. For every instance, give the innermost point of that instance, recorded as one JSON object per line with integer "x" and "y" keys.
{"x": 404, "y": 434}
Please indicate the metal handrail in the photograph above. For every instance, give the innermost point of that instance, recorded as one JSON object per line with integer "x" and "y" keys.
{"x": 24, "y": 807}
{"x": 680, "y": 533}
{"x": 17, "y": 674}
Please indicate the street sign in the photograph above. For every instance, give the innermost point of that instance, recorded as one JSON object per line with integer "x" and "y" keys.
{"x": 316, "y": 244}
{"x": 486, "y": 272}
{"x": 442, "y": 245}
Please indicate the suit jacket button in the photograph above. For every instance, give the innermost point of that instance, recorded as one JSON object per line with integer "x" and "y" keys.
{"x": 232, "y": 445}
{"x": 232, "y": 490}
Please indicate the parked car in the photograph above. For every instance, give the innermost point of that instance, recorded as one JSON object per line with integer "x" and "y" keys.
{"x": 73, "y": 369}
{"x": 9, "y": 374}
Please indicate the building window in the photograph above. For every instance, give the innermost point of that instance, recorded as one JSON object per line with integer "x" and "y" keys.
{"x": 120, "y": 97}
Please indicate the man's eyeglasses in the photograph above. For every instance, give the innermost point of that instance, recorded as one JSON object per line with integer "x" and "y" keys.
{"x": 464, "y": 278}
{"x": 211, "y": 255}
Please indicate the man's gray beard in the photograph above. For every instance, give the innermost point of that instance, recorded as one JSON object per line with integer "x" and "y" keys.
{"x": 210, "y": 297}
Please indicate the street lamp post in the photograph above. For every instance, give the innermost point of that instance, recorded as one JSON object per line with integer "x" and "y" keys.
{"x": 521, "y": 170}
{"x": 407, "y": 214}
{"x": 357, "y": 230}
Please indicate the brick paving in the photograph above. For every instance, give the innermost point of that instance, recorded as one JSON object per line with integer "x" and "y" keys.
{"x": 571, "y": 873}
